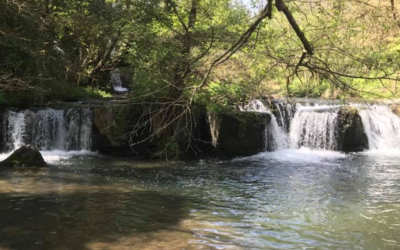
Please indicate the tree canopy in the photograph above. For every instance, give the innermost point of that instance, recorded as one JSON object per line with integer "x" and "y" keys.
{"x": 185, "y": 53}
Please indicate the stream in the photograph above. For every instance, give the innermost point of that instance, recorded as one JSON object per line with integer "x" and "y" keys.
{"x": 287, "y": 199}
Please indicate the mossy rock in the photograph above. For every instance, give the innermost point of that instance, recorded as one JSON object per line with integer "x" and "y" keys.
{"x": 249, "y": 118}
{"x": 241, "y": 133}
{"x": 25, "y": 156}
{"x": 112, "y": 122}
{"x": 351, "y": 133}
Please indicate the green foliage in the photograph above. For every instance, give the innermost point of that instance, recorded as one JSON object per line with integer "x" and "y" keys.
{"x": 46, "y": 92}
{"x": 168, "y": 47}
{"x": 311, "y": 88}
{"x": 3, "y": 99}
{"x": 169, "y": 149}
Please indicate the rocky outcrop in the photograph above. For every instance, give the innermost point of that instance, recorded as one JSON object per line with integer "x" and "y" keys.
{"x": 25, "y": 156}
{"x": 351, "y": 133}
{"x": 111, "y": 122}
{"x": 238, "y": 133}
{"x": 113, "y": 131}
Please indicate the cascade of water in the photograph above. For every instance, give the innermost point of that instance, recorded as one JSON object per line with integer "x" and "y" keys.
{"x": 15, "y": 123}
{"x": 274, "y": 136}
{"x": 382, "y": 127}
{"x": 48, "y": 129}
{"x": 314, "y": 127}
{"x": 254, "y": 106}
{"x": 284, "y": 114}
{"x": 116, "y": 81}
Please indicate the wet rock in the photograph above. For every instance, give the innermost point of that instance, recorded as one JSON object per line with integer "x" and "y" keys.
{"x": 112, "y": 123}
{"x": 25, "y": 156}
{"x": 351, "y": 133}
{"x": 238, "y": 133}
{"x": 395, "y": 109}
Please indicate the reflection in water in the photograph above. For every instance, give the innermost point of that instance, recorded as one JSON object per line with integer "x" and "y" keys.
{"x": 291, "y": 199}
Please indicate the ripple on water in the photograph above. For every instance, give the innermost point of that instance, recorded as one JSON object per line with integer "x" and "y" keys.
{"x": 280, "y": 200}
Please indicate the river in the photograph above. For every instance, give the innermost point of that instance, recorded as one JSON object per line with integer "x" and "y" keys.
{"x": 288, "y": 199}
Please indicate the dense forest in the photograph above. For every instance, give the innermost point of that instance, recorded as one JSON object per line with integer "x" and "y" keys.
{"x": 197, "y": 53}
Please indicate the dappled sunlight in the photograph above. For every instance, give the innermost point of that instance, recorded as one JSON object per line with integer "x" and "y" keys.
{"x": 38, "y": 182}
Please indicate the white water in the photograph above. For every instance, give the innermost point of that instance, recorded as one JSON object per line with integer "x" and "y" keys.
{"x": 285, "y": 114}
{"x": 314, "y": 127}
{"x": 48, "y": 129}
{"x": 297, "y": 156}
{"x": 16, "y": 127}
{"x": 382, "y": 127}
{"x": 116, "y": 81}
{"x": 274, "y": 136}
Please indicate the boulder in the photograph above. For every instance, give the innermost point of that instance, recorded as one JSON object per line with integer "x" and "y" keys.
{"x": 395, "y": 109}
{"x": 351, "y": 133}
{"x": 239, "y": 133}
{"x": 25, "y": 156}
{"x": 112, "y": 123}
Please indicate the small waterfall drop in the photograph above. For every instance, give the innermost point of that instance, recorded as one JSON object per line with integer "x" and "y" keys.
{"x": 284, "y": 114}
{"x": 274, "y": 136}
{"x": 318, "y": 127}
{"x": 48, "y": 129}
{"x": 382, "y": 127}
{"x": 16, "y": 127}
{"x": 116, "y": 81}
{"x": 315, "y": 127}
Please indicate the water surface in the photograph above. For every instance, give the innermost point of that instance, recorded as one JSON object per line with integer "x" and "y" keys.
{"x": 290, "y": 199}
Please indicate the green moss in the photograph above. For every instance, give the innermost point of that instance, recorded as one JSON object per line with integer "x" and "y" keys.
{"x": 347, "y": 115}
{"x": 249, "y": 117}
{"x": 49, "y": 91}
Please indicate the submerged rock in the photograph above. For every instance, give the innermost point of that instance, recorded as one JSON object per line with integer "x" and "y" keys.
{"x": 25, "y": 156}
{"x": 351, "y": 133}
{"x": 239, "y": 133}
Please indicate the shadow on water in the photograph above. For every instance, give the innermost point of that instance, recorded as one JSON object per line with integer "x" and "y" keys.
{"x": 48, "y": 209}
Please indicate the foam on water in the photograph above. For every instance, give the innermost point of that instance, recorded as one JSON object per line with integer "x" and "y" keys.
{"x": 302, "y": 155}
{"x": 58, "y": 155}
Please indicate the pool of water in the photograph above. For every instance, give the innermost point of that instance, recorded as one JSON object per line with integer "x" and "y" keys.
{"x": 290, "y": 199}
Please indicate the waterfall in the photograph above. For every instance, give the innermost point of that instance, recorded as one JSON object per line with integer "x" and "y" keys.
{"x": 16, "y": 127}
{"x": 382, "y": 127}
{"x": 314, "y": 127}
{"x": 317, "y": 127}
{"x": 274, "y": 136}
{"x": 284, "y": 114}
{"x": 116, "y": 81}
{"x": 48, "y": 129}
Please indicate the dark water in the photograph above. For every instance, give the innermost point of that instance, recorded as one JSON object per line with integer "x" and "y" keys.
{"x": 284, "y": 200}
